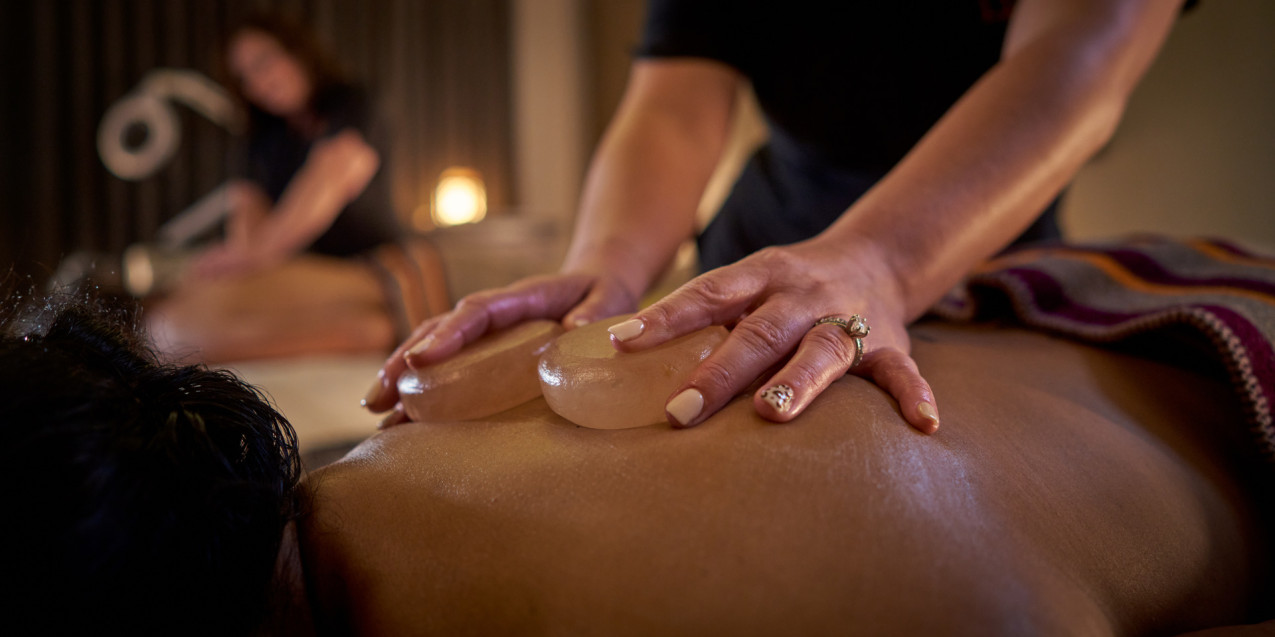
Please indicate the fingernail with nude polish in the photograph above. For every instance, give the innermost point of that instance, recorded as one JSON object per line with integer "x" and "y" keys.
{"x": 580, "y": 321}
{"x": 373, "y": 393}
{"x": 627, "y": 330}
{"x": 685, "y": 406}
{"x": 778, "y": 396}
{"x": 420, "y": 347}
{"x": 927, "y": 412}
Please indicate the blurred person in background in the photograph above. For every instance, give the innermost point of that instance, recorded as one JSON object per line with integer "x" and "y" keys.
{"x": 314, "y": 258}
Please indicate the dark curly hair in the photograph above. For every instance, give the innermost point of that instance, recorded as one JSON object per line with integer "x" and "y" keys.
{"x": 140, "y": 497}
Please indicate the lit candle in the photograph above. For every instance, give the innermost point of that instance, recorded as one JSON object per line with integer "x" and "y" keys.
{"x": 459, "y": 197}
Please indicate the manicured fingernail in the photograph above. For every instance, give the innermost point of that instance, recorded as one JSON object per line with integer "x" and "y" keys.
{"x": 423, "y": 345}
{"x": 778, "y": 396}
{"x": 927, "y": 412}
{"x": 627, "y": 330}
{"x": 373, "y": 393}
{"x": 685, "y": 406}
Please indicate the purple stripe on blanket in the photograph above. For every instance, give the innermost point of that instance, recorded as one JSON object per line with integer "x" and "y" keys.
{"x": 1248, "y": 353}
{"x": 1223, "y": 292}
{"x": 1049, "y": 297}
{"x": 1238, "y": 251}
{"x": 1147, "y": 268}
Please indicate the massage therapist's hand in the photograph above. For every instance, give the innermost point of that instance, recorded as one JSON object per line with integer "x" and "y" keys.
{"x": 773, "y": 298}
{"x": 574, "y": 298}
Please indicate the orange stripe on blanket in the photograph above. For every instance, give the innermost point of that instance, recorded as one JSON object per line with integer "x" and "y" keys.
{"x": 1117, "y": 272}
{"x": 1211, "y": 251}
{"x": 1013, "y": 259}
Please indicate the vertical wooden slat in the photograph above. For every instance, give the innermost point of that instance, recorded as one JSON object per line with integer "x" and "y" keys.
{"x": 206, "y": 148}
{"x": 149, "y": 192}
{"x": 87, "y": 225}
{"x": 17, "y": 141}
{"x": 114, "y": 85}
{"x": 423, "y": 98}
{"x": 392, "y": 97}
{"x": 46, "y": 212}
{"x": 178, "y": 174}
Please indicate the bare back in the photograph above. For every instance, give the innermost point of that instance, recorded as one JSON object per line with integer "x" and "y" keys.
{"x": 1071, "y": 491}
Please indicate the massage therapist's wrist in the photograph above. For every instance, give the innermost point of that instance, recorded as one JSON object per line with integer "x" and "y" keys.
{"x": 620, "y": 265}
{"x": 869, "y": 263}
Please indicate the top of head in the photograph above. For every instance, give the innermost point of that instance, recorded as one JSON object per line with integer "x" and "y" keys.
{"x": 172, "y": 484}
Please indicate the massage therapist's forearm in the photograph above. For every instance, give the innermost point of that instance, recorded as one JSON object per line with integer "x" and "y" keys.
{"x": 335, "y": 173}
{"x": 645, "y": 182}
{"x": 1006, "y": 148}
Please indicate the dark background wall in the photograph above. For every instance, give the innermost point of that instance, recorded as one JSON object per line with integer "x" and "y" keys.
{"x": 440, "y": 70}
{"x": 1193, "y": 156}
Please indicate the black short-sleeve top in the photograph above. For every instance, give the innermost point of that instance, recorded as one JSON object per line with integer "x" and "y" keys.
{"x": 847, "y": 88}
{"x": 855, "y": 84}
{"x": 275, "y": 153}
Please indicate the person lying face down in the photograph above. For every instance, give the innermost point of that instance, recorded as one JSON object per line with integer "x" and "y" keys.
{"x": 140, "y": 498}
{"x": 1075, "y": 491}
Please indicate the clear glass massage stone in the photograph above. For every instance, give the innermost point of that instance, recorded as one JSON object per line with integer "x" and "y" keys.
{"x": 587, "y": 382}
{"x": 488, "y": 376}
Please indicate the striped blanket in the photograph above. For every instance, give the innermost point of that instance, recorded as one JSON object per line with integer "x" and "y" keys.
{"x": 1108, "y": 292}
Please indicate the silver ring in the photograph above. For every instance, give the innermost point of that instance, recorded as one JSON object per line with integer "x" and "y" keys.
{"x": 856, "y": 328}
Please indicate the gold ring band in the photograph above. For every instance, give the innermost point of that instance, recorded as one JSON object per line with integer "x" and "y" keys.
{"x": 856, "y": 328}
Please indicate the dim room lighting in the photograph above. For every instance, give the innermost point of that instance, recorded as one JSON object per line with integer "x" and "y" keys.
{"x": 459, "y": 198}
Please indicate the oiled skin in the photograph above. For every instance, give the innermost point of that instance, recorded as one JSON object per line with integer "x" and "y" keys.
{"x": 1071, "y": 491}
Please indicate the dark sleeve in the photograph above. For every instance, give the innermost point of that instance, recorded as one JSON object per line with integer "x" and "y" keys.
{"x": 352, "y": 107}
{"x": 248, "y": 161}
{"x": 370, "y": 219}
{"x": 710, "y": 29}
{"x": 346, "y": 107}
{"x": 267, "y": 156}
